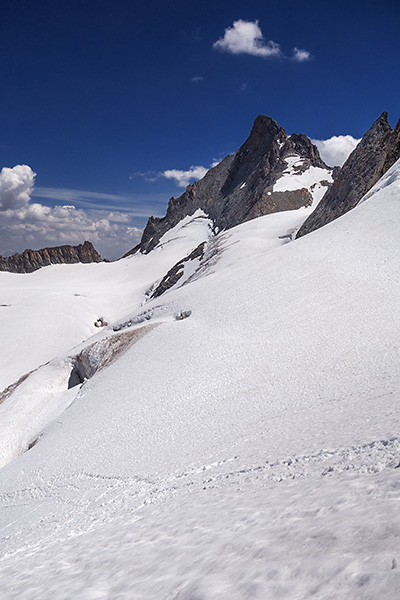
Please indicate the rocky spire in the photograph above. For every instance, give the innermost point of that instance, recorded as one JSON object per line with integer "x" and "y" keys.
{"x": 240, "y": 188}
{"x": 374, "y": 155}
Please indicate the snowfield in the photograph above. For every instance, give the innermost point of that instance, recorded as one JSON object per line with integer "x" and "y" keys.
{"x": 46, "y": 313}
{"x": 294, "y": 178}
{"x": 245, "y": 445}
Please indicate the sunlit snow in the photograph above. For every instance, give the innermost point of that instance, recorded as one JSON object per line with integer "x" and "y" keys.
{"x": 245, "y": 446}
{"x": 294, "y": 178}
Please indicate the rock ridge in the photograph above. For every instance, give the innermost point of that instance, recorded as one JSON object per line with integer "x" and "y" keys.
{"x": 240, "y": 187}
{"x": 31, "y": 260}
{"x": 374, "y": 155}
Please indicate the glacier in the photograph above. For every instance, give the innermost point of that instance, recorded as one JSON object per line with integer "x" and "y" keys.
{"x": 250, "y": 450}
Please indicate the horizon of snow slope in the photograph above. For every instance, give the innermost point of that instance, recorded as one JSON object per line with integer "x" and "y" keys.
{"x": 250, "y": 450}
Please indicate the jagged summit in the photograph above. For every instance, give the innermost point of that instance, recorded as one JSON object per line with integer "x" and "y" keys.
{"x": 375, "y": 154}
{"x": 31, "y": 260}
{"x": 249, "y": 183}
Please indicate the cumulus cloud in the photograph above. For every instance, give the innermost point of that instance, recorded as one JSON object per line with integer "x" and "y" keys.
{"x": 245, "y": 37}
{"x": 183, "y": 178}
{"x": 25, "y": 224}
{"x": 36, "y": 226}
{"x": 300, "y": 55}
{"x": 335, "y": 150}
{"x": 16, "y": 185}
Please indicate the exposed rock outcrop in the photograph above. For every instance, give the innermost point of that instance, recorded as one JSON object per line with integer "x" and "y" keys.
{"x": 31, "y": 260}
{"x": 177, "y": 271}
{"x": 240, "y": 187}
{"x": 375, "y": 154}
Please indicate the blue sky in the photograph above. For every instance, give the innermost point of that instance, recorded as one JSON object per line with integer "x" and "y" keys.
{"x": 99, "y": 98}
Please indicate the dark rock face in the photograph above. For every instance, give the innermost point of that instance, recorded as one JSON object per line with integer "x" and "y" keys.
{"x": 31, "y": 260}
{"x": 176, "y": 272}
{"x": 240, "y": 188}
{"x": 375, "y": 154}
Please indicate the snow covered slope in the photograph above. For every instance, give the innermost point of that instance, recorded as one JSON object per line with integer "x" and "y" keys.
{"x": 48, "y": 312}
{"x": 298, "y": 176}
{"x": 249, "y": 450}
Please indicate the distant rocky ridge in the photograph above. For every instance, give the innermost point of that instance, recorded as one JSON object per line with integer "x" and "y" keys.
{"x": 374, "y": 155}
{"x": 31, "y": 260}
{"x": 240, "y": 187}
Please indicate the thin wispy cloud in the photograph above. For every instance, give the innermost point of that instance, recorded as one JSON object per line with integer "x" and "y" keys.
{"x": 197, "y": 79}
{"x": 136, "y": 205}
{"x": 149, "y": 176}
{"x": 335, "y": 150}
{"x": 245, "y": 37}
{"x": 300, "y": 55}
{"x": 70, "y": 194}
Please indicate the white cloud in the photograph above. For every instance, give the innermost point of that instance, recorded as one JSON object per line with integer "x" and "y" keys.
{"x": 216, "y": 162}
{"x": 70, "y": 194}
{"x": 16, "y": 185}
{"x": 335, "y": 150}
{"x": 24, "y": 224}
{"x": 136, "y": 205}
{"x": 149, "y": 176}
{"x": 183, "y": 178}
{"x": 245, "y": 37}
{"x": 37, "y": 226}
{"x": 300, "y": 55}
{"x": 197, "y": 79}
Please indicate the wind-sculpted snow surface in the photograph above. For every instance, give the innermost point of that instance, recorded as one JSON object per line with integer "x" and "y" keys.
{"x": 249, "y": 451}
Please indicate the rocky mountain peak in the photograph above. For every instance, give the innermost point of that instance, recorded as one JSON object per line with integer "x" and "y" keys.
{"x": 263, "y": 145}
{"x": 375, "y": 154}
{"x": 263, "y": 132}
{"x": 378, "y": 128}
{"x": 241, "y": 187}
{"x": 300, "y": 144}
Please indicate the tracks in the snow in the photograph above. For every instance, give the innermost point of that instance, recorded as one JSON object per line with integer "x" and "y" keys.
{"x": 70, "y": 505}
